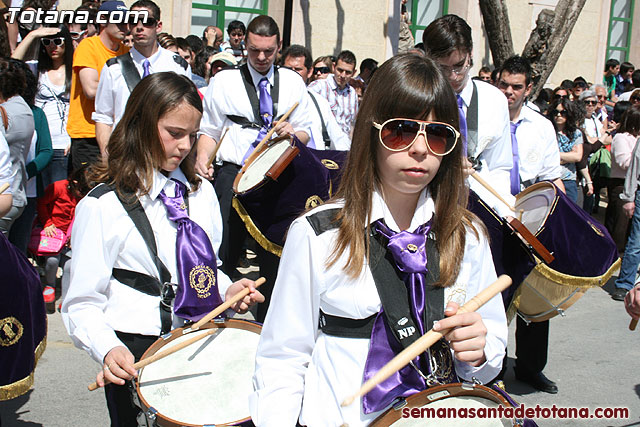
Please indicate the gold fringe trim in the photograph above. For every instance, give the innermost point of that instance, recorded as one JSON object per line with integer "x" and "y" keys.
{"x": 577, "y": 281}
{"x": 253, "y": 230}
{"x": 20, "y": 387}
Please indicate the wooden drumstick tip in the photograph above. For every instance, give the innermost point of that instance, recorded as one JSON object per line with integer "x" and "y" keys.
{"x": 633, "y": 324}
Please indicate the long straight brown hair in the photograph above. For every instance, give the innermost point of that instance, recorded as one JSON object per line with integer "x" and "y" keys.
{"x": 135, "y": 150}
{"x": 405, "y": 86}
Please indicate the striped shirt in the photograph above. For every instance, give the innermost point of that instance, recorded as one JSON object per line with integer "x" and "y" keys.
{"x": 343, "y": 102}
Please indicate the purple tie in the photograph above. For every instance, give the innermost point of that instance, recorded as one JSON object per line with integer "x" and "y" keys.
{"x": 515, "y": 170}
{"x": 383, "y": 346}
{"x": 145, "y": 67}
{"x": 197, "y": 292}
{"x": 463, "y": 123}
{"x": 266, "y": 114}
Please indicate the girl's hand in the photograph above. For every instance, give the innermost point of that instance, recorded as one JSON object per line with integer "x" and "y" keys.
{"x": 629, "y": 208}
{"x": 44, "y": 32}
{"x": 50, "y": 231}
{"x": 243, "y": 305}
{"x": 67, "y": 149}
{"x": 117, "y": 367}
{"x": 589, "y": 189}
{"x": 468, "y": 337}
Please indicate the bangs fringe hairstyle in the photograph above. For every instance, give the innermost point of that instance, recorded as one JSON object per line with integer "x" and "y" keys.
{"x": 406, "y": 86}
{"x": 135, "y": 151}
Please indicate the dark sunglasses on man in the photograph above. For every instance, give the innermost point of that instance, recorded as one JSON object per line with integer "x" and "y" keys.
{"x": 147, "y": 23}
{"x": 58, "y": 41}
{"x": 582, "y": 85}
{"x": 75, "y": 35}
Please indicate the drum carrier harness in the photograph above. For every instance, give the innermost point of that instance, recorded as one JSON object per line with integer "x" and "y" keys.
{"x": 141, "y": 282}
{"x": 393, "y": 294}
{"x": 130, "y": 72}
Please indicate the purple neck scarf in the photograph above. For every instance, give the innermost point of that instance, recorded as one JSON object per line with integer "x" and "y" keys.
{"x": 197, "y": 292}
{"x": 463, "y": 123}
{"x": 515, "y": 170}
{"x": 410, "y": 256}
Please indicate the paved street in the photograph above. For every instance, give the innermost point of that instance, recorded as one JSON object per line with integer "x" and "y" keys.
{"x": 593, "y": 358}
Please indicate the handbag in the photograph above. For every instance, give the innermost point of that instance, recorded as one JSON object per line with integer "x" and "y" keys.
{"x": 43, "y": 245}
{"x": 600, "y": 166}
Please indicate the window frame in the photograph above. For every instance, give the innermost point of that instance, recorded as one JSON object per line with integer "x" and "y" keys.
{"x": 222, "y": 8}
{"x": 629, "y": 22}
{"x": 414, "y": 13}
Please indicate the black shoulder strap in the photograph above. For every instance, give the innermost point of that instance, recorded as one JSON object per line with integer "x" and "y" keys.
{"x": 324, "y": 220}
{"x": 472, "y": 123}
{"x": 325, "y": 134}
{"x": 253, "y": 96}
{"x": 180, "y": 61}
{"x": 129, "y": 70}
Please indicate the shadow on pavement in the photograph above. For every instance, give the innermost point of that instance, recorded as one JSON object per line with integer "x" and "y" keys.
{"x": 10, "y": 415}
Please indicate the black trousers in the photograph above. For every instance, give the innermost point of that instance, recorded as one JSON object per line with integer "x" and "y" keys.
{"x": 84, "y": 151}
{"x": 122, "y": 411}
{"x": 234, "y": 232}
{"x": 269, "y": 264}
{"x": 532, "y": 345}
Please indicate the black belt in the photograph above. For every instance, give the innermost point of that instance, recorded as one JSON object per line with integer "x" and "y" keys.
{"x": 345, "y": 327}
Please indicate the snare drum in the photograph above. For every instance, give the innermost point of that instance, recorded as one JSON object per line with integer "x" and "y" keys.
{"x": 206, "y": 383}
{"x": 285, "y": 179}
{"x": 437, "y": 400}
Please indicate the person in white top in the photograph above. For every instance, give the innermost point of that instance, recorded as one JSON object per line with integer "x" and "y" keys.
{"x": 448, "y": 40}
{"x": 228, "y": 106}
{"x": 110, "y": 317}
{"x": 404, "y": 179}
{"x": 536, "y": 157}
{"x": 147, "y": 56}
{"x": 324, "y": 123}
{"x": 5, "y": 176}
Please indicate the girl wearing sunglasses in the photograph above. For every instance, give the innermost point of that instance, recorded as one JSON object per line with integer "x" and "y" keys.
{"x": 53, "y": 69}
{"x": 400, "y": 209}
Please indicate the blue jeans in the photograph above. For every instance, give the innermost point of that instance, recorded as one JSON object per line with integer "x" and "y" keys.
{"x": 631, "y": 257}
{"x": 56, "y": 170}
{"x": 571, "y": 189}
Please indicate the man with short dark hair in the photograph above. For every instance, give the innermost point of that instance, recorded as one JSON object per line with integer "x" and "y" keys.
{"x": 611, "y": 70}
{"x": 185, "y": 50}
{"x": 635, "y": 81}
{"x": 146, "y": 57}
{"x": 325, "y": 132}
{"x": 579, "y": 86}
{"x": 536, "y": 157}
{"x": 484, "y": 116}
{"x": 341, "y": 95}
{"x": 367, "y": 67}
{"x": 88, "y": 61}
{"x": 236, "y": 44}
{"x": 484, "y": 74}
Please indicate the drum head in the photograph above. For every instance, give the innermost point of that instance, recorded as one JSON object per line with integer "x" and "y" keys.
{"x": 255, "y": 172}
{"x": 207, "y": 382}
{"x": 536, "y": 202}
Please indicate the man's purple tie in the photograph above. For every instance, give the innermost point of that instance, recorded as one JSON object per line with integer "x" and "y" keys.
{"x": 515, "y": 170}
{"x": 463, "y": 123}
{"x": 266, "y": 114}
{"x": 197, "y": 292}
{"x": 145, "y": 66}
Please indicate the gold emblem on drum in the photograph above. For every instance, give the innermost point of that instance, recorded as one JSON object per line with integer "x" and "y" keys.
{"x": 10, "y": 331}
{"x": 596, "y": 229}
{"x": 312, "y": 202}
{"x": 202, "y": 278}
{"x": 330, "y": 164}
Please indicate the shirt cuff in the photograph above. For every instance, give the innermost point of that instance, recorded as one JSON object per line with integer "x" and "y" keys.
{"x": 102, "y": 118}
{"x": 103, "y": 344}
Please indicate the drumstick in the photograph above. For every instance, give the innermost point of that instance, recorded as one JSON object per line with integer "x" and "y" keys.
{"x": 4, "y": 187}
{"x": 486, "y": 185}
{"x": 144, "y": 362}
{"x": 427, "y": 340}
{"x": 222, "y": 307}
{"x": 255, "y": 152}
{"x": 215, "y": 150}
{"x": 218, "y": 310}
{"x": 633, "y": 324}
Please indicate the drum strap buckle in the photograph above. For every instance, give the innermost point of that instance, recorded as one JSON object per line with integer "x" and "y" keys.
{"x": 167, "y": 294}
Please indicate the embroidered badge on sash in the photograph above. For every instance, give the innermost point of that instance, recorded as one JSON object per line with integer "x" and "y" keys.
{"x": 202, "y": 278}
{"x": 330, "y": 164}
{"x": 596, "y": 229}
{"x": 10, "y": 331}
{"x": 312, "y": 202}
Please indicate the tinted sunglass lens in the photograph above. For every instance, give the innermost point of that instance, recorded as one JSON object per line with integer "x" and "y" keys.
{"x": 440, "y": 138}
{"x": 398, "y": 134}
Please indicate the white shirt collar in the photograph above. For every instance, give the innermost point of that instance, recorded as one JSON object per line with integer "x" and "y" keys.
{"x": 256, "y": 76}
{"x": 423, "y": 213}
{"x": 467, "y": 92}
{"x": 162, "y": 182}
{"x": 139, "y": 58}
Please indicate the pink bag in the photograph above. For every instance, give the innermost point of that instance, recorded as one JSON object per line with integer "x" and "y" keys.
{"x": 42, "y": 245}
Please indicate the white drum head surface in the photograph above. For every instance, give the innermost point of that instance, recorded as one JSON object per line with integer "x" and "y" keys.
{"x": 536, "y": 205}
{"x": 456, "y": 402}
{"x": 260, "y": 166}
{"x": 207, "y": 382}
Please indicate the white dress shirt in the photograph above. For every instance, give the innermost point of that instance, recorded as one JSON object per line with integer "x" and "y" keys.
{"x": 494, "y": 143}
{"x": 5, "y": 164}
{"x": 113, "y": 93}
{"x": 593, "y": 127}
{"x": 538, "y": 151}
{"x": 343, "y": 102}
{"x": 339, "y": 139}
{"x": 104, "y": 237}
{"x": 302, "y": 372}
{"x": 226, "y": 95}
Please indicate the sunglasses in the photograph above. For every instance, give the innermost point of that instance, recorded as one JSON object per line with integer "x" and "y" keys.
{"x": 400, "y": 134}
{"x": 75, "y": 35}
{"x": 58, "y": 41}
{"x": 321, "y": 70}
{"x": 589, "y": 102}
{"x": 150, "y": 22}
{"x": 634, "y": 98}
{"x": 581, "y": 85}
{"x": 562, "y": 113}
{"x": 556, "y": 96}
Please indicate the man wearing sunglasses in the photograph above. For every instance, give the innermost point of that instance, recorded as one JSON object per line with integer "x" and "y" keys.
{"x": 484, "y": 117}
{"x": 88, "y": 61}
{"x": 536, "y": 157}
{"x": 146, "y": 57}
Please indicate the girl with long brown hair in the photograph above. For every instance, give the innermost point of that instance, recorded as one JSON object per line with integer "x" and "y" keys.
{"x": 371, "y": 270}
{"x": 130, "y": 282}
